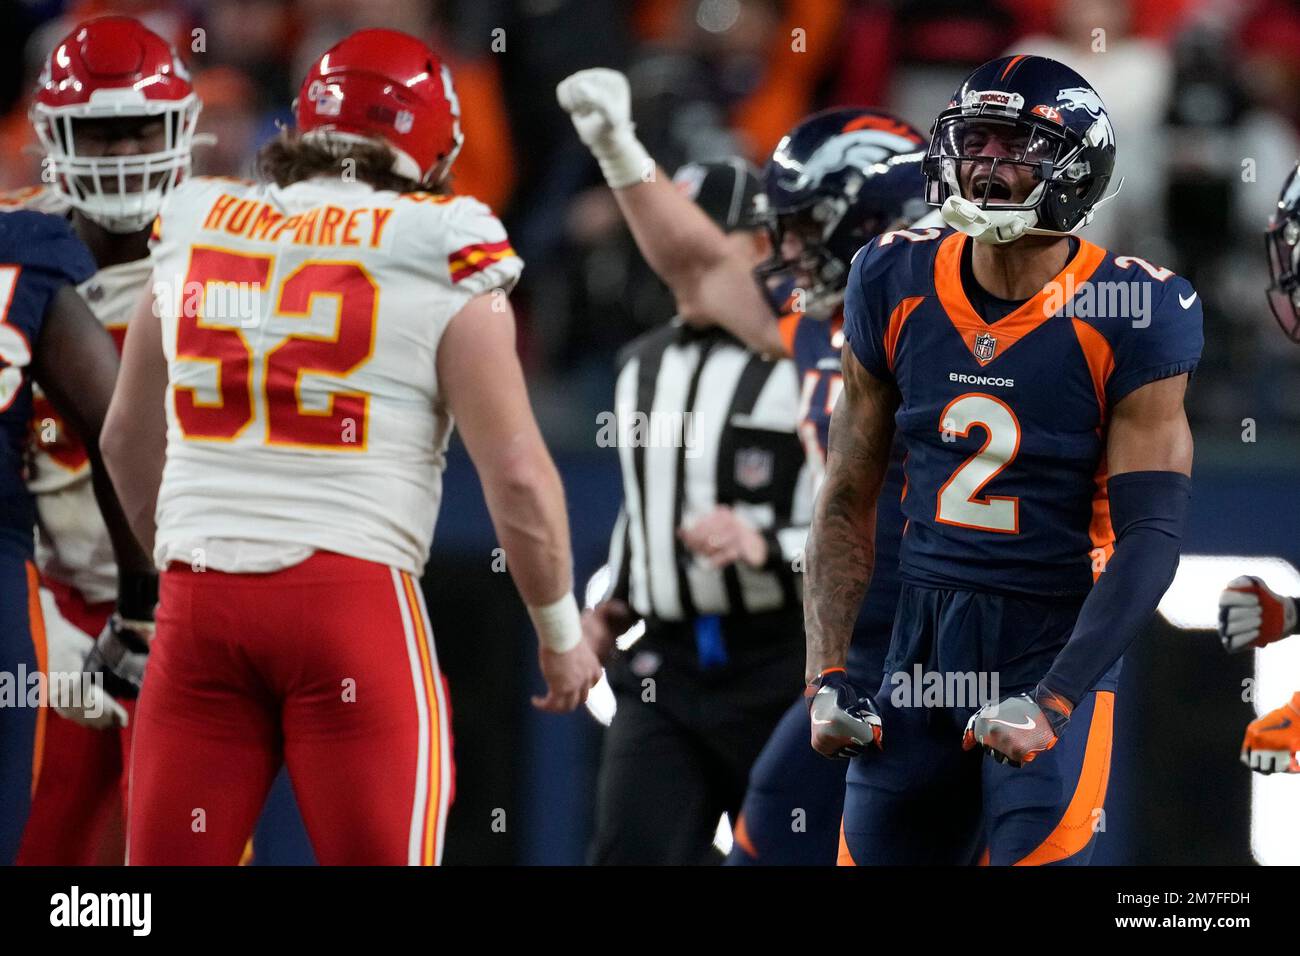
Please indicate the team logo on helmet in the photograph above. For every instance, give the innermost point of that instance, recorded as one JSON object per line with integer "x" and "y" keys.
{"x": 985, "y": 346}
{"x": 861, "y": 148}
{"x": 1081, "y": 98}
{"x": 1101, "y": 133}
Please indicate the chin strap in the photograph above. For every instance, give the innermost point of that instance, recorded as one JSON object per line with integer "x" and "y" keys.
{"x": 1002, "y": 226}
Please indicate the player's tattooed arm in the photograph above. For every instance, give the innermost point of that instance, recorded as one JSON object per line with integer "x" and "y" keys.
{"x": 841, "y": 543}
{"x": 76, "y": 366}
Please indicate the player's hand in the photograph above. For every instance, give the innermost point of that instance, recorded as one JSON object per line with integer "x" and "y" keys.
{"x": 722, "y": 538}
{"x": 598, "y": 101}
{"x": 602, "y": 624}
{"x": 67, "y": 648}
{"x": 568, "y": 677}
{"x": 1251, "y": 615}
{"x": 844, "y": 722}
{"x": 120, "y": 654}
{"x": 1271, "y": 741}
{"x": 1017, "y": 729}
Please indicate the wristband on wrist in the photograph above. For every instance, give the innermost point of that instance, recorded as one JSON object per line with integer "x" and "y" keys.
{"x": 623, "y": 160}
{"x": 559, "y": 625}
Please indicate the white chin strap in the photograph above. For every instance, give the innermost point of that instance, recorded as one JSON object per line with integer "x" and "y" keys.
{"x": 986, "y": 225}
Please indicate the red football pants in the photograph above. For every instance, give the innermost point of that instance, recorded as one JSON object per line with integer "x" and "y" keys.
{"x": 327, "y": 666}
{"x": 76, "y": 817}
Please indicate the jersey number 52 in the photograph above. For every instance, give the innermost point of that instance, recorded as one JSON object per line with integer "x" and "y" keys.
{"x": 341, "y": 424}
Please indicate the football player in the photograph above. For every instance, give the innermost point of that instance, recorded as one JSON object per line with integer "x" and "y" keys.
{"x": 115, "y": 113}
{"x": 1036, "y": 382}
{"x": 48, "y": 336}
{"x": 837, "y": 179}
{"x": 315, "y": 336}
{"x": 1250, "y": 614}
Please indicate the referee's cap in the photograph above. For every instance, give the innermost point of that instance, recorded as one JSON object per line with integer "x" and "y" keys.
{"x": 728, "y": 191}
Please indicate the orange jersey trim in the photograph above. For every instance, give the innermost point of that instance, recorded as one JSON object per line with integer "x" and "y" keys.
{"x": 896, "y": 320}
{"x": 1025, "y": 319}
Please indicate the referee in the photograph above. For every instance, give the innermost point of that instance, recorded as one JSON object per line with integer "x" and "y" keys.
{"x": 717, "y": 497}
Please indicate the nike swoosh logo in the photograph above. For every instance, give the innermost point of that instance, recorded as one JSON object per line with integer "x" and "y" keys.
{"x": 1187, "y": 303}
{"x": 1027, "y": 725}
{"x": 1286, "y": 722}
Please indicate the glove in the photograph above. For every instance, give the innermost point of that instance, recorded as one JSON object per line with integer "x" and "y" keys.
{"x": 1018, "y": 729}
{"x": 843, "y": 721}
{"x": 68, "y": 647}
{"x": 122, "y": 648}
{"x": 1272, "y": 741}
{"x": 1250, "y": 615}
{"x": 600, "y": 105}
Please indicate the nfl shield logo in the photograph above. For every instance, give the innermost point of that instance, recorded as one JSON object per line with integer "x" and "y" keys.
{"x": 985, "y": 346}
{"x": 754, "y": 467}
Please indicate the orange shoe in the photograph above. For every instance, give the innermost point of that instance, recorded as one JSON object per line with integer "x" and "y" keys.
{"x": 1272, "y": 740}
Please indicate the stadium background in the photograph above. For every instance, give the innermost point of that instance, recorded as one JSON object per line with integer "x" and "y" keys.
{"x": 1205, "y": 95}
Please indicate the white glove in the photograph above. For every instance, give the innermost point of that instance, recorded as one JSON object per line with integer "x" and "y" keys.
{"x": 1251, "y": 615}
{"x": 66, "y": 648}
{"x": 600, "y": 105}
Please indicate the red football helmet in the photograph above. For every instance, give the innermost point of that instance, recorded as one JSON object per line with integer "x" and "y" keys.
{"x": 114, "y": 67}
{"x": 381, "y": 84}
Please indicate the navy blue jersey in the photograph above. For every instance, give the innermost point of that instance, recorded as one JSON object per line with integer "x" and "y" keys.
{"x": 816, "y": 347}
{"x": 38, "y": 255}
{"x": 1004, "y": 423}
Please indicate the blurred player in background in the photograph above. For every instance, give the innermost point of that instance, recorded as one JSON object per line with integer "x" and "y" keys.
{"x": 1046, "y": 444}
{"x": 1250, "y": 614}
{"x": 349, "y": 310}
{"x": 49, "y": 337}
{"x": 835, "y": 181}
{"x": 115, "y": 113}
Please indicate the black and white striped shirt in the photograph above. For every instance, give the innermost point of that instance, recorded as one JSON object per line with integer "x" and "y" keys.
{"x": 702, "y": 421}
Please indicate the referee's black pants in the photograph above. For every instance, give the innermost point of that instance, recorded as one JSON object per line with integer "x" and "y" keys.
{"x": 678, "y": 752}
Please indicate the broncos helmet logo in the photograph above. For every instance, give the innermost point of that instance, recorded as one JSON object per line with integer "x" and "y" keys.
{"x": 859, "y": 148}
{"x": 1100, "y": 133}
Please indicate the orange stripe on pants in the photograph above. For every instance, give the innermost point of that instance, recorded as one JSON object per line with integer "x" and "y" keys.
{"x": 1075, "y": 829}
{"x": 37, "y": 625}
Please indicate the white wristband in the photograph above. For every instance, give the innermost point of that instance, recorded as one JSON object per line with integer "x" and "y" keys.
{"x": 623, "y": 160}
{"x": 559, "y": 626}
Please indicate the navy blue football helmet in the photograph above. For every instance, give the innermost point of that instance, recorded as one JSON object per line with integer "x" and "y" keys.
{"x": 1282, "y": 238}
{"x": 1044, "y": 116}
{"x": 835, "y": 181}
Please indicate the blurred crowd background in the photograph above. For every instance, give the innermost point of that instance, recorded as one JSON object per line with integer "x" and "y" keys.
{"x": 1205, "y": 95}
{"x": 1205, "y": 98}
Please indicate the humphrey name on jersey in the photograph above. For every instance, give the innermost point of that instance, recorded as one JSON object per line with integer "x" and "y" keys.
{"x": 325, "y": 225}
{"x": 103, "y": 909}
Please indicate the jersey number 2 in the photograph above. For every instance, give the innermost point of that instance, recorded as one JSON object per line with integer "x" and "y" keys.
{"x": 959, "y": 501}
{"x": 342, "y": 423}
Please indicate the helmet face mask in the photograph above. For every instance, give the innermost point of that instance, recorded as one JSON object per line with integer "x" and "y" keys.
{"x": 1282, "y": 243}
{"x": 123, "y": 192}
{"x": 110, "y": 81}
{"x": 1025, "y": 147}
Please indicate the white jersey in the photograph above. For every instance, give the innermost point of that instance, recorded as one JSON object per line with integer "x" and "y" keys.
{"x": 301, "y": 329}
{"x": 72, "y": 543}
